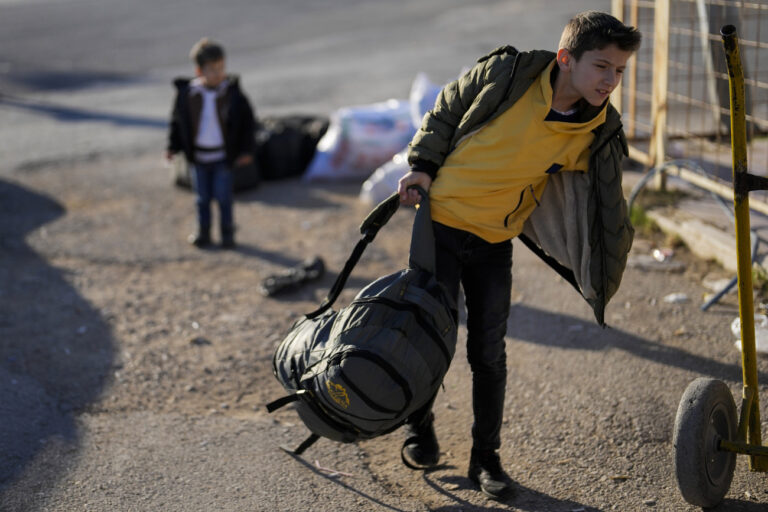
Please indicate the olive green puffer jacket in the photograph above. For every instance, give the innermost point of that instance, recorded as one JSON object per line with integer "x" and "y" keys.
{"x": 588, "y": 248}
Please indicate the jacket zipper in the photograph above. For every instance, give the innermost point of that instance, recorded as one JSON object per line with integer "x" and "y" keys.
{"x": 608, "y": 139}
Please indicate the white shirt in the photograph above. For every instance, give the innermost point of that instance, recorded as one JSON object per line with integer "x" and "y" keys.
{"x": 209, "y": 135}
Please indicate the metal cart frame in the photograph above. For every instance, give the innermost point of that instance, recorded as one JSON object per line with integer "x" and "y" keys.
{"x": 708, "y": 435}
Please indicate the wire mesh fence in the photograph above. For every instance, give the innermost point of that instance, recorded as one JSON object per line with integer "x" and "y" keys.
{"x": 675, "y": 94}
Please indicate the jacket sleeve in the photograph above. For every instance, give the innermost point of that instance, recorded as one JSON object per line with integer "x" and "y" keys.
{"x": 246, "y": 136}
{"x": 617, "y": 225}
{"x": 174, "y": 129}
{"x": 432, "y": 141}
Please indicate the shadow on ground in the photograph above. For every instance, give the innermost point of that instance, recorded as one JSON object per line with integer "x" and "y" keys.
{"x": 68, "y": 80}
{"x": 68, "y": 114}
{"x": 55, "y": 354}
{"x": 349, "y": 488}
{"x": 566, "y": 332}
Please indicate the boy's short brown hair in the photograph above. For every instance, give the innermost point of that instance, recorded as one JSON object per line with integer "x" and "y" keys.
{"x": 205, "y": 51}
{"x": 594, "y": 30}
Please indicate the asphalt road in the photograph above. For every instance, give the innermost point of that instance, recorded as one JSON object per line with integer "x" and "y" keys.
{"x": 80, "y": 78}
{"x": 106, "y": 403}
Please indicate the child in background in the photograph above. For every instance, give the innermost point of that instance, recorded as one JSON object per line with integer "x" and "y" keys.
{"x": 212, "y": 123}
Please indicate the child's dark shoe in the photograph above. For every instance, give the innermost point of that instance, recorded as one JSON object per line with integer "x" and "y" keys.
{"x": 200, "y": 239}
{"x": 486, "y": 471}
{"x": 420, "y": 449}
{"x": 228, "y": 239}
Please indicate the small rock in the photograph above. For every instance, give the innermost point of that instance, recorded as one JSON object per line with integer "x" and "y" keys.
{"x": 676, "y": 298}
{"x": 190, "y": 389}
{"x": 662, "y": 255}
{"x": 650, "y": 502}
{"x": 648, "y": 263}
{"x": 199, "y": 341}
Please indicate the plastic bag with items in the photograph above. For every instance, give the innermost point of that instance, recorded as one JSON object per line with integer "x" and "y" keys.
{"x": 360, "y": 139}
{"x": 423, "y": 95}
{"x": 383, "y": 181}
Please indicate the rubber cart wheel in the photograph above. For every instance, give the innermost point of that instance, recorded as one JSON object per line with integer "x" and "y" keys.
{"x": 706, "y": 414}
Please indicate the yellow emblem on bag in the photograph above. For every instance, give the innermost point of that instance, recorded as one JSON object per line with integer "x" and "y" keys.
{"x": 338, "y": 393}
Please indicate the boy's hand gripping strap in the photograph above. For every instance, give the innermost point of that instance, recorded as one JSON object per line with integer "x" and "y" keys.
{"x": 422, "y": 253}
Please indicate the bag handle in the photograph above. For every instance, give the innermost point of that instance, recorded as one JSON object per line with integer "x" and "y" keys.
{"x": 422, "y": 243}
{"x": 423, "y": 236}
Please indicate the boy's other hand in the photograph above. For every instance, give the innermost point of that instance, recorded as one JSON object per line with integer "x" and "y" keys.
{"x": 169, "y": 155}
{"x": 412, "y": 197}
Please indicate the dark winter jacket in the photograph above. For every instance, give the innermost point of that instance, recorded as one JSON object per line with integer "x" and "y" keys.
{"x": 235, "y": 118}
{"x": 582, "y": 227}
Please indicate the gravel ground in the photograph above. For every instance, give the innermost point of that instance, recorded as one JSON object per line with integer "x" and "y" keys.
{"x": 136, "y": 368}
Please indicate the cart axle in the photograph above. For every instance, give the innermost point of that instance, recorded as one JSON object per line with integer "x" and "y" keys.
{"x": 759, "y": 452}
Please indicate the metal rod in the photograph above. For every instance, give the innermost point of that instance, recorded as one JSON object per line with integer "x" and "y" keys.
{"x": 744, "y": 448}
{"x": 746, "y": 407}
{"x": 741, "y": 213}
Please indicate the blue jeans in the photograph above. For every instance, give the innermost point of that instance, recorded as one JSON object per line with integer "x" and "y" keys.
{"x": 214, "y": 180}
{"x": 484, "y": 270}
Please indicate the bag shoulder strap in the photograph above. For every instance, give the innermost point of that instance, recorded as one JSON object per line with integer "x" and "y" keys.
{"x": 422, "y": 243}
{"x": 282, "y": 402}
{"x": 309, "y": 441}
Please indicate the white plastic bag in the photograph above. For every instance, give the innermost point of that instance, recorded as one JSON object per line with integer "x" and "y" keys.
{"x": 383, "y": 182}
{"x": 761, "y": 333}
{"x": 360, "y": 139}
{"x": 423, "y": 95}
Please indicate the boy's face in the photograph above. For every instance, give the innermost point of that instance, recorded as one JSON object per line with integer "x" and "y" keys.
{"x": 596, "y": 74}
{"x": 212, "y": 73}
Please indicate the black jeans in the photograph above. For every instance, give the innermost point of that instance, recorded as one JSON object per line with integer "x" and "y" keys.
{"x": 484, "y": 270}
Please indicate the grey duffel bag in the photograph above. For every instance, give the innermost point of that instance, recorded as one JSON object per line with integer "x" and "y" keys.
{"x": 360, "y": 372}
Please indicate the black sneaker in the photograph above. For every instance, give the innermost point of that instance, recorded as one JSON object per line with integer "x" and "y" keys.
{"x": 420, "y": 449}
{"x": 201, "y": 239}
{"x": 228, "y": 238}
{"x": 486, "y": 471}
{"x": 228, "y": 242}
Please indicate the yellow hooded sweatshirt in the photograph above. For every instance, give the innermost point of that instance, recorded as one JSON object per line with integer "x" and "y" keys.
{"x": 491, "y": 182}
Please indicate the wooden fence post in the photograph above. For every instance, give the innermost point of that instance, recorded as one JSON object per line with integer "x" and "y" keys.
{"x": 660, "y": 85}
{"x": 617, "y": 10}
